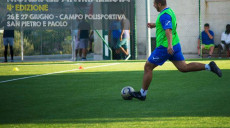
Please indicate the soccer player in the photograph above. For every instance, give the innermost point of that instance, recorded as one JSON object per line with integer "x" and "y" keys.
{"x": 225, "y": 41}
{"x": 207, "y": 40}
{"x": 8, "y": 38}
{"x": 168, "y": 48}
{"x": 83, "y": 37}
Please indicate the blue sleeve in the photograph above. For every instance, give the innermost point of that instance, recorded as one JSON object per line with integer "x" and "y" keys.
{"x": 166, "y": 21}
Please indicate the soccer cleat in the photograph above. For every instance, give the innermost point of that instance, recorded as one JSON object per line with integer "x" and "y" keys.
{"x": 83, "y": 59}
{"x": 215, "y": 69}
{"x": 137, "y": 95}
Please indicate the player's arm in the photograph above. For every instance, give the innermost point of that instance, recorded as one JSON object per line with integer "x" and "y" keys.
{"x": 211, "y": 36}
{"x": 166, "y": 22}
{"x": 122, "y": 29}
{"x": 169, "y": 37}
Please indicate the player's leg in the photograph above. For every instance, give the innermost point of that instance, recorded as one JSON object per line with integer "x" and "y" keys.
{"x": 76, "y": 48}
{"x": 228, "y": 51}
{"x": 84, "y": 50}
{"x": 148, "y": 74}
{"x": 76, "y": 53}
{"x": 220, "y": 48}
{"x": 11, "y": 40}
{"x": 5, "y": 41}
{"x": 80, "y": 53}
{"x": 84, "y": 53}
{"x": 202, "y": 46}
{"x": 211, "y": 50}
{"x": 158, "y": 57}
{"x": 192, "y": 67}
{"x": 12, "y": 53}
{"x": 125, "y": 47}
{"x": 120, "y": 48}
{"x": 178, "y": 60}
{"x": 123, "y": 51}
{"x": 147, "y": 79}
{"x": 81, "y": 48}
{"x": 91, "y": 46}
{"x": 5, "y": 53}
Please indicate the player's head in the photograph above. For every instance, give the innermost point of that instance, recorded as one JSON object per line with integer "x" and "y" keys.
{"x": 160, "y": 4}
{"x": 206, "y": 27}
{"x": 228, "y": 29}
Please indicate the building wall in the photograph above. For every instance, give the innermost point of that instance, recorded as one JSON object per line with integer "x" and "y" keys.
{"x": 215, "y": 12}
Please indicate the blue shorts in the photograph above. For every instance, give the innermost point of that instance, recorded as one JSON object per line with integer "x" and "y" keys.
{"x": 9, "y": 41}
{"x": 160, "y": 55}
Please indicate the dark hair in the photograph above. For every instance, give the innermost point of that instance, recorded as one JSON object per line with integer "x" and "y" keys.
{"x": 206, "y": 25}
{"x": 162, "y": 2}
{"x": 227, "y": 29}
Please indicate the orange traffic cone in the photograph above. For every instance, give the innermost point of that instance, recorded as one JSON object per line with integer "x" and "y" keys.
{"x": 81, "y": 67}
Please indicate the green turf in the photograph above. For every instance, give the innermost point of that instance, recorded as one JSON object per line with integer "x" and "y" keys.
{"x": 91, "y": 97}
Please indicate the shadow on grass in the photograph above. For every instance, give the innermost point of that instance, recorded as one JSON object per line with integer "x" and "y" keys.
{"x": 94, "y": 97}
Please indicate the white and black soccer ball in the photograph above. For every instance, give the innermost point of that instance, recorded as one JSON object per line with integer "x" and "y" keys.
{"x": 125, "y": 92}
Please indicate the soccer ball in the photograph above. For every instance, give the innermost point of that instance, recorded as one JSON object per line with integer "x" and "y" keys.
{"x": 125, "y": 93}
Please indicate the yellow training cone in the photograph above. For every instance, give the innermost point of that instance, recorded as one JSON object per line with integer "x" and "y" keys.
{"x": 16, "y": 69}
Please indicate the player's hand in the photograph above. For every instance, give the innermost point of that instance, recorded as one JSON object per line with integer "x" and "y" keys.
{"x": 121, "y": 38}
{"x": 151, "y": 25}
{"x": 206, "y": 31}
{"x": 170, "y": 50}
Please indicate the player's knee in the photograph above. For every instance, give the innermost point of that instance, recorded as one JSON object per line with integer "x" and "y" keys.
{"x": 148, "y": 68}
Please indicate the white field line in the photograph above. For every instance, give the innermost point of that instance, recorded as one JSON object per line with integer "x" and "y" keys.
{"x": 46, "y": 65}
{"x": 6, "y": 81}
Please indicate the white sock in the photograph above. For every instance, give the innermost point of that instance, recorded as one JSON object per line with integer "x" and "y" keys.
{"x": 143, "y": 92}
{"x": 207, "y": 67}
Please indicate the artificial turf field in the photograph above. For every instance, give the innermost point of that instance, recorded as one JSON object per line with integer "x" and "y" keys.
{"x": 91, "y": 97}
